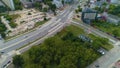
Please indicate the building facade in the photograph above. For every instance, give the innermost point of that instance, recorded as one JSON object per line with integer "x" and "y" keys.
{"x": 10, "y": 4}
{"x": 88, "y": 15}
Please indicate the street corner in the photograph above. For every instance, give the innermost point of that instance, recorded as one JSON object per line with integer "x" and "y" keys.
{"x": 17, "y": 53}
{"x": 116, "y": 64}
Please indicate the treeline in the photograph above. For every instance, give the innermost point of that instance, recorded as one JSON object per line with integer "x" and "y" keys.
{"x": 11, "y": 18}
{"x": 18, "y": 5}
{"x": 2, "y": 29}
{"x": 49, "y": 6}
{"x": 115, "y": 10}
{"x": 67, "y": 51}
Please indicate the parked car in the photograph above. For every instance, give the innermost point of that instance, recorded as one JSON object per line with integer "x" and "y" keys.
{"x": 101, "y": 51}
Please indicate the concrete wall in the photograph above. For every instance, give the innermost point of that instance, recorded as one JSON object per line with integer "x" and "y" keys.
{"x": 10, "y": 4}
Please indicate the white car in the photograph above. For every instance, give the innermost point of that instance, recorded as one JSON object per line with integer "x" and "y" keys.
{"x": 101, "y": 51}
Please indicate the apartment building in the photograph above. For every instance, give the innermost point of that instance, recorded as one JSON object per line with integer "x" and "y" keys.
{"x": 10, "y": 4}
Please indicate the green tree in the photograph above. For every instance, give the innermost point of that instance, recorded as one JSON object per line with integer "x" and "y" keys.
{"x": 45, "y": 9}
{"x": 53, "y": 8}
{"x": 63, "y": 2}
{"x": 115, "y": 33}
{"x": 18, "y": 61}
{"x": 13, "y": 25}
{"x": 3, "y": 35}
{"x": 38, "y": 5}
{"x": 18, "y": 4}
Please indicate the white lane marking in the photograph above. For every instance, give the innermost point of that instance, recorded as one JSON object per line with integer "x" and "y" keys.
{"x": 22, "y": 40}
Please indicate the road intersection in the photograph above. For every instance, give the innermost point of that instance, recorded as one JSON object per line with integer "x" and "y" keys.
{"x": 51, "y": 28}
{"x": 56, "y": 24}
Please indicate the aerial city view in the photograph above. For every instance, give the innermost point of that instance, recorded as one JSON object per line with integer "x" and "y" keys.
{"x": 59, "y": 33}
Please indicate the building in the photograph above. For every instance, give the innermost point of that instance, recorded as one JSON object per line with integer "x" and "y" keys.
{"x": 9, "y": 3}
{"x": 58, "y": 3}
{"x": 26, "y": 3}
{"x": 2, "y": 7}
{"x": 29, "y": 3}
{"x": 115, "y": 1}
{"x": 88, "y": 15}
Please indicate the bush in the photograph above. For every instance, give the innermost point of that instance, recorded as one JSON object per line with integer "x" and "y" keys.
{"x": 13, "y": 25}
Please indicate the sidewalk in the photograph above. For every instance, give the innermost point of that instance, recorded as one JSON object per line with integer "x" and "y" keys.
{"x": 1, "y": 43}
{"x": 5, "y": 58}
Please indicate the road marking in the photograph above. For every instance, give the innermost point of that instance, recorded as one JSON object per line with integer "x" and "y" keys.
{"x": 22, "y": 40}
{"x": 66, "y": 14}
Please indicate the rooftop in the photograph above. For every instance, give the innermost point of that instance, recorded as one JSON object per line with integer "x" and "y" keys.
{"x": 87, "y": 9}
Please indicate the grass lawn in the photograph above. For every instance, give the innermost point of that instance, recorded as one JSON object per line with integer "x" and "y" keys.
{"x": 108, "y": 28}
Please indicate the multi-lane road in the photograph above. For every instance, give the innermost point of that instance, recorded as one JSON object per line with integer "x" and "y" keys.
{"x": 48, "y": 29}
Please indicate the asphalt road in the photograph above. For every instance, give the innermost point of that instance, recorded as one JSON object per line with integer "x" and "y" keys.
{"x": 22, "y": 40}
{"x": 37, "y": 34}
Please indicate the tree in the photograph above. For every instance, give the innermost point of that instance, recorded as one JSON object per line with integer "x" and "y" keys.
{"x": 115, "y": 33}
{"x": 3, "y": 35}
{"x": 13, "y": 25}
{"x": 63, "y": 2}
{"x": 18, "y": 4}
{"x": 18, "y": 61}
{"x": 53, "y": 8}
{"x": 45, "y": 9}
{"x": 38, "y": 5}
{"x": 45, "y": 19}
{"x": 57, "y": 52}
{"x": 76, "y": 11}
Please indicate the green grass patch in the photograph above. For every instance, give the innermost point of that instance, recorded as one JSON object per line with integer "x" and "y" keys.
{"x": 108, "y": 27}
{"x": 11, "y": 19}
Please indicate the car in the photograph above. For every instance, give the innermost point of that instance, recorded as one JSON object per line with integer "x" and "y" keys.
{"x": 2, "y": 52}
{"x": 25, "y": 36}
{"x": 97, "y": 66}
{"x": 101, "y": 51}
{"x": 4, "y": 66}
{"x": 9, "y": 62}
{"x": 0, "y": 38}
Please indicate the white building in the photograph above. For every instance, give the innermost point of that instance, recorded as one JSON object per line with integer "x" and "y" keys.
{"x": 114, "y": 1}
{"x": 10, "y": 4}
{"x": 58, "y": 3}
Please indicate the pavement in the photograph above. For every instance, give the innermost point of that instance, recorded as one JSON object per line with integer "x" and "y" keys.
{"x": 51, "y": 27}
{"x": 6, "y": 22}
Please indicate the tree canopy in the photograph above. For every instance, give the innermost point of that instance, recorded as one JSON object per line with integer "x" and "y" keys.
{"x": 18, "y": 61}
{"x": 65, "y": 52}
